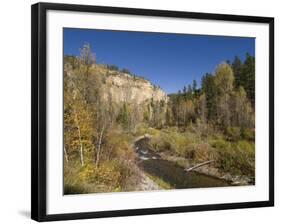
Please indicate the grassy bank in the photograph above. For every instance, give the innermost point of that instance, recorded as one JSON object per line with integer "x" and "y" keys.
{"x": 160, "y": 182}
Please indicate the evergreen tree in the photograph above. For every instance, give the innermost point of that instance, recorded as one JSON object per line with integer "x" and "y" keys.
{"x": 184, "y": 92}
{"x": 209, "y": 89}
{"x": 248, "y": 73}
{"x": 189, "y": 92}
{"x": 237, "y": 67}
{"x": 194, "y": 86}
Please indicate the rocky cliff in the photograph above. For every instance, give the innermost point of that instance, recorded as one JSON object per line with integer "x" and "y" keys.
{"x": 122, "y": 87}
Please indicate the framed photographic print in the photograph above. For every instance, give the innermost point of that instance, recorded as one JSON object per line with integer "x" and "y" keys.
{"x": 139, "y": 111}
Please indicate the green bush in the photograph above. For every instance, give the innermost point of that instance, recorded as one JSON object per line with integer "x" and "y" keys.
{"x": 203, "y": 152}
{"x": 233, "y": 133}
{"x": 160, "y": 143}
{"x": 173, "y": 142}
{"x": 143, "y": 129}
{"x": 186, "y": 144}
{"x": 220, "y": 144}
{"x": 113, "y": 67}
{"x": 179, "y": 143}
{"x": 118, "y": 146}
{"x": 106, "y": 174}
{"x": 236, "y": 158}
{"x": 248, "y": 134}
{"x": 226, "y": 159}
{"x": 73, "y": 184}
{"x": 246, "y": 158}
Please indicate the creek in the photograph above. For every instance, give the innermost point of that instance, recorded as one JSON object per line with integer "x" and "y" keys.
{"x": 170, "y": 172}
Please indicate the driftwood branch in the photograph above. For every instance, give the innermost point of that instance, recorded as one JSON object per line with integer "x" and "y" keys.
{"x": 198, "y": 165}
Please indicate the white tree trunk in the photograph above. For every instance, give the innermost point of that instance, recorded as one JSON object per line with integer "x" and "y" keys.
{"x": 65, "y": 154}
{"x": 99, "y": 146}
{"x": 80, "y": 139}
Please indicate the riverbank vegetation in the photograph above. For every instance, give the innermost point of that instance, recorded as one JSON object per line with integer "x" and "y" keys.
{"x": 236, "y": 157}
{"x": 215, "y": 121}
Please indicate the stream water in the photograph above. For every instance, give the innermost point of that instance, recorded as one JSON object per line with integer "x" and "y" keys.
{"x": 170, "y": 172}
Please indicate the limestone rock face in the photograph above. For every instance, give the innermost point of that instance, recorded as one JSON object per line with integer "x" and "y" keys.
{"x": 122, "y": 87}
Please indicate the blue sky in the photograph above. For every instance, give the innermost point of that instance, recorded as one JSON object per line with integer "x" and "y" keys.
{"x": 168, "y": 60}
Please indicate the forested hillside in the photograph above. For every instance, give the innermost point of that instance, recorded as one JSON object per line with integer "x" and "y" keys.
{"x": 106, "y": 109}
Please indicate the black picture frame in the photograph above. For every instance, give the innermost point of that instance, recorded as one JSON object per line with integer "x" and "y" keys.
{"x": 38, "y": 108}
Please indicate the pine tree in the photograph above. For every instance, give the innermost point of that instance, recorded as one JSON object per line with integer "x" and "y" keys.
{"x": 194, "y": 87}
{"x": 184, "y": 92}
{"x": 189, "y": 92}
{"x": 209, "y": 89}
{"x": 237, "y": 67}
{"x": 248, "y": 73}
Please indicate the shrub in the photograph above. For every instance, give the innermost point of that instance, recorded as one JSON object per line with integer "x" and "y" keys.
{"x": 203, "y": 152}
{"x": 246, "y": 157}
{"x": 233, "y": 133}
{"x": 179, "y": 143}
{"x": 125, "y": 70}
{"x": 160, "y": 143}
{"x": 174, "y": 142}
{"x": 143, "y": 129}
{"x": 236, "y": 158}
{"x": 198, "y": 152}
{"x": 106, "y": 175}
{"x": 220, "y": 144}
{"x": 117, "y": 146}
{"x": 110, "y": 176}
{"x": 113, "y": 67}
{"x": 248, "y": 134}
{"x": 72, "y": 182}
{"x": 186, "y": 144}
{"x": 226, "y": 157}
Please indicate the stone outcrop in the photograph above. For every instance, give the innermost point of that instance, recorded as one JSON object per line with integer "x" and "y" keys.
{"x": 129, "y": 88}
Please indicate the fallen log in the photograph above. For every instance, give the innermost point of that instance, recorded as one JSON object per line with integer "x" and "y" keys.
{"x": 198, "y": 165}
